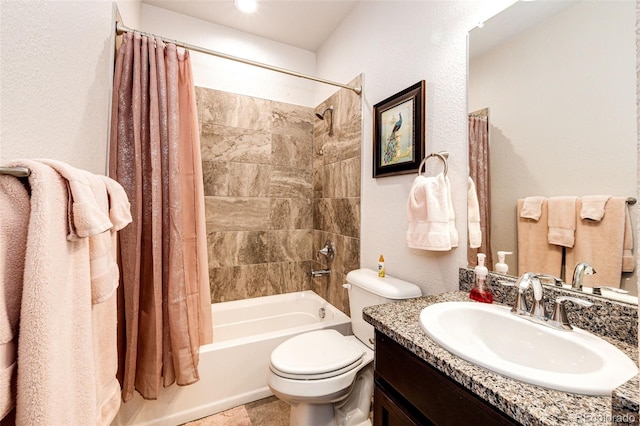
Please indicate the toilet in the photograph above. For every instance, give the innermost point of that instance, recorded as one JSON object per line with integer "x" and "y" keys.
{"x": 326, "y": 377}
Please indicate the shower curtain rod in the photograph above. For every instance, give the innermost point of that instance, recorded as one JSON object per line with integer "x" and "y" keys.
{"x": 120, "y": 28}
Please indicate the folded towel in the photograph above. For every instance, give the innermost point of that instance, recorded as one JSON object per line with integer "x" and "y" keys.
{"x": 532, "y": 208}
{"x": 535, "y": 254}
{"x": 119, "y": 206}
{"x": 628, "y": 261}
{"x": 600, "y": 243}
{"x": 86, "y": 215}
{"x": 562, "y": 220}
{"x": 473, "y": 216}
{"x": 593, "y": 206}
{"x": 428, "y": 214}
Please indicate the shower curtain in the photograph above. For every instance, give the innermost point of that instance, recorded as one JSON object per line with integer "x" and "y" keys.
{"x": 479, "y": 172}
{"x": 164, "y": 308}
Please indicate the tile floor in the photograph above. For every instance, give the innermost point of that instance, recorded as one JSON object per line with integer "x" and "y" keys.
{"x": 264, "y": 412}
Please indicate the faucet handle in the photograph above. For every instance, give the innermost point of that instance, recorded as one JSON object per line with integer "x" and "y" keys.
{"x": 550, "y": 278}
{"x": 598, "y": 290}
{"x": 560, "y": 319}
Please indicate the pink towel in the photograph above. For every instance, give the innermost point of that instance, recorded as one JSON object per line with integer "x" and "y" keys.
{"x": 428, "y": 214}
{"x": 14, "y": 221}
{"x": 628, "y": 261}
{"x": 593, "y": 206}
{"x": 601, "y": 244}
{"x": 535, "y": 254}
{"x": 473, "y": 216}
{"x": 562, "y": 220}
{"x": 532, "y": 208}
{"x": 67, "y": 349}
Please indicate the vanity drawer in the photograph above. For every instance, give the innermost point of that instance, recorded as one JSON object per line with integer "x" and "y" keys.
{"x": 407, "y": 378}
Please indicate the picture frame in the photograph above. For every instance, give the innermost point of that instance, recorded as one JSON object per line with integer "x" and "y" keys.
{"x": 398, "y": 132}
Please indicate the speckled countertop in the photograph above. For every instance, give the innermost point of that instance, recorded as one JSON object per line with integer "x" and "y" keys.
{"x": 528, "y": 404}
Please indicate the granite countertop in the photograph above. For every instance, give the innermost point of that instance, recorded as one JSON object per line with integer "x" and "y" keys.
{"x": 527, "y": 404}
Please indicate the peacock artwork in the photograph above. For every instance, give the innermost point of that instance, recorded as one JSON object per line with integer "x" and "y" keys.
{"x": 397, "y": 134}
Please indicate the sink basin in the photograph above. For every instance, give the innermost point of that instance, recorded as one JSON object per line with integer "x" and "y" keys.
{"x": 492, "y": 337}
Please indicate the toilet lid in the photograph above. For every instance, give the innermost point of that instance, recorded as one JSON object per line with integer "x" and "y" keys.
{"x": 317, "y": 354}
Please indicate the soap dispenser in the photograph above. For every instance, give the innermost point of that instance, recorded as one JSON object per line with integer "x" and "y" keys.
{"x": 481, "y": 291}
{"x": 501, "y": 267}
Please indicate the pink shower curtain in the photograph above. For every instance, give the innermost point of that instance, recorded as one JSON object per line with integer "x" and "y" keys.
{"x": 479, "y": 172}
{"x": 165, "y": 312}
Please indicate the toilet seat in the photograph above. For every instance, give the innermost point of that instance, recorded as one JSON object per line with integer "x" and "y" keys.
{"x": 316, "y": 355}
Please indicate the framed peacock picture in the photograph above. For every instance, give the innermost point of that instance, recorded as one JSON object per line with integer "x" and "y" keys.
{"x": 398, "y": 132}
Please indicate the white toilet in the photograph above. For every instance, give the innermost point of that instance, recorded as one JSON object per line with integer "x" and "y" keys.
{"x": 326, "y": 377}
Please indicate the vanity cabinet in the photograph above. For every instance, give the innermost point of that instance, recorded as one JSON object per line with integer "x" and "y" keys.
{"x": 409, "y": 391}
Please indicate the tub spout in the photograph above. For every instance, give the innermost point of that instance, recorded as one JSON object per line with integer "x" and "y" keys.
{"x": 320, "y": 273}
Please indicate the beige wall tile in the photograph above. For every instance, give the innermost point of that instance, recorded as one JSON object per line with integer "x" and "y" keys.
{"x": 237, "y": 214}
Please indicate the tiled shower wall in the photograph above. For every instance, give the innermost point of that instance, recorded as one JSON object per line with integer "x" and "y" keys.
{"x": 273, "y": 193}
{"x": 336, "y": 192}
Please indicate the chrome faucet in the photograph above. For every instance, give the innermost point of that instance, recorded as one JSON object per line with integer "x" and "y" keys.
{"x": 581, "y": 269}
{"x": 526, "y": 280}
{"x": 320, "y": 273}
{"x": 536, "y": 313}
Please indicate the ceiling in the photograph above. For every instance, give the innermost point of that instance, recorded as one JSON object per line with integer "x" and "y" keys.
{"x": 302, "y": 23}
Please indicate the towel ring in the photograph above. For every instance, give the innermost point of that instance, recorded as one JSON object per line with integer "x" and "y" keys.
{"x": 443, "y": 155}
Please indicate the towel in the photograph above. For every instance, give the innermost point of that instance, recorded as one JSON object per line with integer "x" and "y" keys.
{"x": 453, "y": 232}
{"x": 593, "y": 206}
{"x": 86, "y": 214}
{"x": 532, "y": 208}
{"x": 601, "y": 244}
{"x": 14, "y": 221}
{"x": 67, "y": 350}
{"x": 473, "y": 216}
{"x": 562, "y": 220}
{"x": 535, "y": 254}
{"x": 628, "y": 261}
{"x": 428, "y": 214}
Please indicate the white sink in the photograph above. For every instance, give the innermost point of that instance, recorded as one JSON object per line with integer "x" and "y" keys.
{"x": 492, "y": 337}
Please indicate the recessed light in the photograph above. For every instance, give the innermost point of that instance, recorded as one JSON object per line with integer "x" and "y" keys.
{"x": 246, "y": 6}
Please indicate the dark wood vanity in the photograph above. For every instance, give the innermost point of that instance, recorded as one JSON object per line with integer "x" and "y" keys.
{"x": 409, "y": 391}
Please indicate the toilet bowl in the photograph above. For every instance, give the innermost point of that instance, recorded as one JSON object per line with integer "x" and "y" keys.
{"x": 326, "y": 377}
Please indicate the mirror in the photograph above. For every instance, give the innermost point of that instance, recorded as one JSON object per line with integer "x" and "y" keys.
{"x": 558, "y": 79}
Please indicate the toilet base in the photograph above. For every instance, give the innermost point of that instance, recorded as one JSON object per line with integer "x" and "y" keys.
{"x": 352, "y": 411}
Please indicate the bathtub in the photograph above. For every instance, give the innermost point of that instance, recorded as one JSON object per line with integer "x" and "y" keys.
{"x": 233, "y": 369}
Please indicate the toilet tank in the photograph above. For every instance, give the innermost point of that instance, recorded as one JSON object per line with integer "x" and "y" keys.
{"x": 366, "y": 288}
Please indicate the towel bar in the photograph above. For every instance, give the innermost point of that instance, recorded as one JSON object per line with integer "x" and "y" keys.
{"x": 15, "y": 171}
{"x": 443, "y": 155}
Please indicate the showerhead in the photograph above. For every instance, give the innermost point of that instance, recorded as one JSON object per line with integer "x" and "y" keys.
{"x": 321, "y": 116}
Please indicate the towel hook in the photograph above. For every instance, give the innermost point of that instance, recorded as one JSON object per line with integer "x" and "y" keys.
{"x": 443, "y": 155}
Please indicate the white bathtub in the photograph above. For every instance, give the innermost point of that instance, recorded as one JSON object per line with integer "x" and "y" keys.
{"x": 233, "y": 368}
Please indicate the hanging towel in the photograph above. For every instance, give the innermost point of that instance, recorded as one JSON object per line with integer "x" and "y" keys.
{"x": 67, "y": 351}
{"x": 628, "y": 261}
{"x": 593, "y": 206}
{"x": 535, "y": 254}
{"x": 473, "y": 216}
{"x": 532, "y": 208}
{"x": 453, "y": 232}
{"x": 562, "y": 220}
{"x": 600, "y": 243}
{"x": 428, "y": 214}
{"x": 14, "y": 221}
